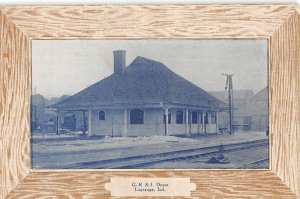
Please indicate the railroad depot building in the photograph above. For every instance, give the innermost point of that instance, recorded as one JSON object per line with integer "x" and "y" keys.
{"x": 145, "y": 98}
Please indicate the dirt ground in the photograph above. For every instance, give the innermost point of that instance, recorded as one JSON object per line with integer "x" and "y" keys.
{"x": 52, "y": 151}
{"x": 237, "y": 159}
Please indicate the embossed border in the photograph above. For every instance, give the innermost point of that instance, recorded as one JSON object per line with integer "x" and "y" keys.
{"x": 279, "y": 24}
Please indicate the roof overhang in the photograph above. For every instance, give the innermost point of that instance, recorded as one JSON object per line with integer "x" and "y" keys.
{"x": 139, "y": 105}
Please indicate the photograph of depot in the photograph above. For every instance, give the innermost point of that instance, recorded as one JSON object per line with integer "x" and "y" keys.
{"x": 149, "y": 104}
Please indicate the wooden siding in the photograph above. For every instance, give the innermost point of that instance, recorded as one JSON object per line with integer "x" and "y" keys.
{"x": 113, "y": 125}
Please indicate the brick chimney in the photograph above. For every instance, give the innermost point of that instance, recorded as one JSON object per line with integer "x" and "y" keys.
{"x": 119, "y": 61}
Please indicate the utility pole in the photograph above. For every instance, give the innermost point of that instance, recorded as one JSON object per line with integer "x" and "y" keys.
{"x": 229, "y": 87}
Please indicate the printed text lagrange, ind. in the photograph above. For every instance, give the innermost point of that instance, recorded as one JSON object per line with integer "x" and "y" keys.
{"x": 149, "y": 186}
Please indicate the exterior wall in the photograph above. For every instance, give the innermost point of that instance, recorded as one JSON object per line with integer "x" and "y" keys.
{"x": 195, "y": 130}
{"x": 79, "y": 119}
{"x": 211, "y": 128}
{"x": 113, "y": 124}
{"x": 223, "y": 120}
{"x": 153, "y": 124}
{"x": 260, "y": 122}
{"x": 176, "y": 129}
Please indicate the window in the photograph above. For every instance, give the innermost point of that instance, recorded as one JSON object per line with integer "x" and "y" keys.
{"x": 194, "y": 117}
{"x": 169, "y": 117}
{"x": 213, "y": 118}
{"x": 137, "y": 116}
{"x": 101, "y": 115}
{"x": 200, "y": 119}
{"x": 206, "y": 118}
{"x": 179, "y": 117}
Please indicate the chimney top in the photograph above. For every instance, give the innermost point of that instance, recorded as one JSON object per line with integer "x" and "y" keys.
{"x": 119, "y": 61}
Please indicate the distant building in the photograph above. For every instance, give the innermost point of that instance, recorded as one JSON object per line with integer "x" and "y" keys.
{"x": 43, "y": 118}
{"x": 145, "y": 98}
{"x": 260, "y": 114}
{"x": 242, "y": 111}
{"x": 250, "y": 111}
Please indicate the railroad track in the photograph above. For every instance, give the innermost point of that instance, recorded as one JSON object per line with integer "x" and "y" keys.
{"x": 253, "y": 163}
{"x": 141, "y": 161}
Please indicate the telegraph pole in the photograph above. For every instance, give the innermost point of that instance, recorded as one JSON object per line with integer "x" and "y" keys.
{"x": 229, "y": 87}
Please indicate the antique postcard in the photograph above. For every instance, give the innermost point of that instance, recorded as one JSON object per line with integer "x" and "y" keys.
{"x": 150, "y": 104}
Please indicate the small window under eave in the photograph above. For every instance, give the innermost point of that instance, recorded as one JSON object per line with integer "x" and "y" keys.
{"x": 101, "y": 115}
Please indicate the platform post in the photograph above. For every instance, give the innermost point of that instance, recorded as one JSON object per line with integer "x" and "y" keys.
{"x": 186, "y": 121}
{"x": 217, "y": 122}
{"x": 125, "y": 122}
{"x": 90, "y": 123}
{"x": 203, "y": 122}
{"x": 166, "y": 121}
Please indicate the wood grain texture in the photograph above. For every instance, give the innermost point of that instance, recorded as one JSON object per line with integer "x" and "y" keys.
{"x": 149, "y": 21}
{"x": 212, "y": 183}
{"x": 14, "y": 105}
{"x": 278, "y": 23}
{"x": 284, "y": 87}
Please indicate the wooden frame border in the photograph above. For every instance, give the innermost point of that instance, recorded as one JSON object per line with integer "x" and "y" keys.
{"x": 280, "y": 24}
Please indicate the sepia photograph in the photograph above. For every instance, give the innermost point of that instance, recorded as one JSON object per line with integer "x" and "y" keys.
{"x": 150, "y": 104}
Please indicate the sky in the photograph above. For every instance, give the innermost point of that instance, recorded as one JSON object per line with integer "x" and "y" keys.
{"x": 65, "y": 67}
